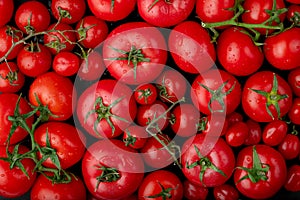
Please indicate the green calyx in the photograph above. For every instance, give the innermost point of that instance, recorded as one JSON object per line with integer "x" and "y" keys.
{"x": 130, "y": 140}
{"x": 156, "y": 1}
{"x": 164, "y": 194}
{"x": 108, "y": 174}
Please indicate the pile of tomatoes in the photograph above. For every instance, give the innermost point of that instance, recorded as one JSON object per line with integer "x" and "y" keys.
{"x": 149, "y": 99}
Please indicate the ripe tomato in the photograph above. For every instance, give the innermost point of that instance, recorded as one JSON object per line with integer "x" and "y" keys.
{"x": 13, "y": 181}
{"x": 55, "y": 92}
{"x": 66, "y": 63}
{"x": 294, "y": 112}
{"x": 145, "y": 94}
{"x": 106, "y": 108}
{"x": 282, "y": 50}
{"x": 34, "y": 60}
{"x": 293, "y": 179}
{"x": 237, "y": 52}
{"x": 45, "y": 189}
{"x": 274, "y": 132}
{"x": 192, "y": 191}
{"x": 135, "y": 136}
{"x": 109, "y": 10}
{"x": 160, "y": 184}
{"x": 289, "y": 147}
{"x": 8, "y": 35}
{"x": 225, "y": 192}
{"x": 294, "y": 1}
{"x": 70, "y": 11}
{"x": 236, "y": 134}
{"x": 291, "y": 14}
{"x": 165, "y": 13}
{"x": 234, "y": 117}
{"x": 135, "y": 53}
{"x": 191, "y": 48}
{"x": 207, "y": 161}
{"x": 261, "y": 172}
{"x": 216, "y": 91}
{"x": 294, "y": 80}
{"x": 32, "y": 16}
{"x": 6, "y": 10}
{"x": 65, "y": 139}
{"x": 8, "y": 102}
{"x": 254, "y": 133}
{"x": 11, "y": 79}
{"x": 266, "y": 96}
{"x": 214, "y": 125}
{"x": 111, "y": 170}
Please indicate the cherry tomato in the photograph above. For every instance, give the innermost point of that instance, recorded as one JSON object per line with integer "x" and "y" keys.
{"x": 145, "y": 94}
{"x": 225, "y": 192}
{"x": 293, "y": 179}
{"x": 254, "y": 133}
{"x": 294, "y": 80}
{"x": 274, "y": 132}
{"x": 234, "y": 117}
{"x": 291, "y": 14}
{"x": 236, "y": 134}
{"x": 192, "y": 191}
{"x": 11, "y": 79}
{"x": 294, "y": 112}
{"x": 6, "y": 10}
{"x": 290, "y": 147}
{"x": 214, "y": 125}
{"x": 135, "y": 136}
{"x": 66, "y": 63}
{"x": 8, "y": 35}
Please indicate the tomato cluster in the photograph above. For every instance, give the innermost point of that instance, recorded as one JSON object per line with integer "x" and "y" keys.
{"x": 149, "y": 99}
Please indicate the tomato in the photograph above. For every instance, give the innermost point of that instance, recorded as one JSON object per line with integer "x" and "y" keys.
{"x": 266, "y": 96}
{"x": 45, "y": 189}
{"x": 259, "y": 11}
{"x": 135, "y": 53}
{"x": 34, "y": 60}
{"x": 207, "y": 161}
{"x": 32, "y": 16}
{"x": 294, "y": 112}
{"x": 109, "y": 10}
{"x": 6, "y": 10}
{"x": 274, "y": 132}
{"x": 55, "y": 92}
{"x": 191, "y": 48}
{"x": 291, "y": 14}
{"x": 165, "y": 13}
{"x": 91, "y": 31}
{"x": 294, "y": 80}
{"x": 192, "y": 191}
{"x": 185, "y": 119}
{"x": 106, "y": 108}
{"x": 12, "y": 178}
{"x": 261, "y": 172}
{"x": 160, "y": 184}
{"x": 145, "y": 94}
{"x": 135, "y": 136}
{"x": 282, "y": 50}
{"x": 8, "y": 102}
{"x": 66, "y": 63}
{"x": 289, "y": 147}
{"x": 11, "y": 79}
{"x": 236, "y": 134}
{"x": 293, "y": 179}
{"x": 234, "y": 117}
{"x": 216, "y": 91}
{"x": 61, "y": 40}
{"x": 237, "y": 52}
{"x": 111, "y": 170}
{"x": 254, "y": 133}
{"x": 65, "y": 139}
{"x": 70, "y": 11}
{"x": 225, "y": 192}
{"x": 8, "y": 35}
{"x": 294, "y": 1}
{"x": 214, "y": 125}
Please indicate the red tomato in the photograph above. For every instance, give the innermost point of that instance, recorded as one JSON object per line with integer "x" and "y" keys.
{"x": 13, "y": 181}
{"x": 225, "y": 192}
{"x": 106, "y": 108}
{"x": 135, "y": 136}
{"x": 45, "y": 189}
{"x": 70, "y": 11}
{"x": 291, "y": 14}
{"x": 165, "y": 13}
{"x": 32, "y": 16}
{"x": 55, "y": 92}
{"x": 66, "y": 63}
{"x": 160, "y": 184}
{"x": 109, "y": 10}
{"x": 293, "y": 179}
{"x": 8, "y": 35}
{"x": 136, "y": 56}
{"x": 11, "y": 79}
{"x": 294, "y": 112}
{"x": 214, "y": 125}
{"x": 294, "y": 80}
{"x": 282, "y": 50}
{"x": 111, "y": 170}
{"x": 294, "y": 1}
{"x": 289, "y": 147}
{"x": 145, "y": 94}
{"x": 261, "y": 172}
{"x": 236, "y": 134}
{"x": 6, "y": 10}
{"x": 8, "y": 102}
{"x": 191, "y": 48}
{"x": 207, "y": 161}
{"x": 237, "y": 52}
{"x": 192, "y": 191}
{"x": 254, "y": 133}
{"x": 34, "y": 60}
{"x": 234, "y": 117}
{"x": 216, "y": 91}
{"x": 274, "y": 132}
{"x": 266, "y": 96}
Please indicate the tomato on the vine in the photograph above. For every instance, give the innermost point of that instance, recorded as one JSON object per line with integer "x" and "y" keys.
{"x": 11, "y": 79}
{"x": 135, "y": 136}
{"x": 66, "y": 63}
{"x": 145, "y": 94}
{"x": 9, "y": 35}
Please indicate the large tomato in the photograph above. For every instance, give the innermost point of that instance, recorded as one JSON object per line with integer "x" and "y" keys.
{"x": 6, "y": 10}
{"x": 8, "y": 36}
{"x": 135, "y": 53}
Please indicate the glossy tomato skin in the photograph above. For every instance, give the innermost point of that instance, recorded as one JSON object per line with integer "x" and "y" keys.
{"x": 119, "y": 108}
{"x": 56, "y": 92}
{"x": 225, "y": 192}
{"x": 154, "y": 183}
{"x": 112, "y": 154}
{"x": 12, "y": 80}
{"x": 6, "y": 39}
{"x": 276, "y": 174}
{"x": 12, "y": 179}
{"x": 191, "y": 49}
{"x": 236, "y": 134}
{"x": 214, "y": 125}
{"x": 7, "y": 9}
{"x": 133, "y": 37}
{"x": 274, "y": 132}
{"x": 66, "y": 63}
{"x": 75, "y": 8}
{"x": 145, "y": 94}
{"x": 135, "y": 136}
{"x": 290, "y": 147}
{"x": 45, "y": 189}
{"x": 8, "y": 102}
{"x": 294, "y": 80}
{"x": 165, "y": 13}
{"x": 193, "y": 191}
{"x": 291, "y": 14}
{"x": 32, "y": 16}
{"x": 237, "y": 52}
{"x": 255, "y": 104}
{"x": 68, "y": 142}
{"x": 218, "y": 152}
{"x": 294, "y": 112}
{"x": 282, "y": 50}
{"x": 105, "y": 10}
{"x": 215, "y": 79}
{"x": 293, "y": 179}
{"x": 254, "y": 133}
